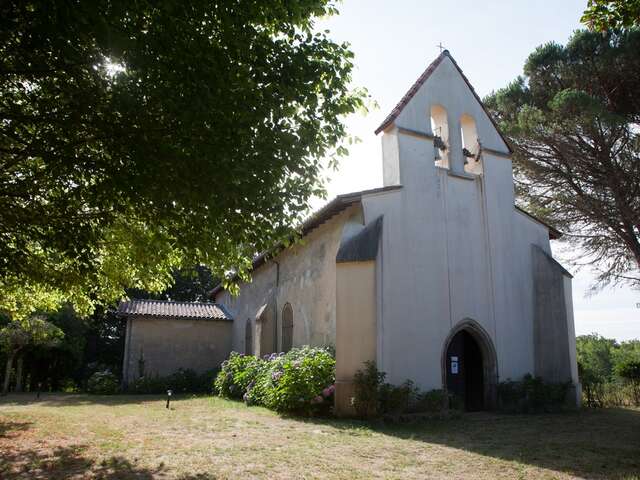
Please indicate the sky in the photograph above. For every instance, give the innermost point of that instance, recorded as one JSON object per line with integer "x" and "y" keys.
{"x": 394, "y": 41}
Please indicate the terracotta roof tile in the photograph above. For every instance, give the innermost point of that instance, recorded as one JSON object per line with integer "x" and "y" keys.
{"x": 165, "y": 308}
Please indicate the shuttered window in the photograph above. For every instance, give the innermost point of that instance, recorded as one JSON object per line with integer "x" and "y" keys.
{"x": 287, "y": 328}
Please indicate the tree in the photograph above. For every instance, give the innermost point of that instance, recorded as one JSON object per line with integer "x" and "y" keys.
{"x": 595, "y": 366}
{"x": 603, "y": 15}
{"x": 629, "y": 370}
{"x": 573, "y": 121}
{"x": 18, "y": 335}
{"x": 137, "y": 138}
{"x": 188, "y": 285}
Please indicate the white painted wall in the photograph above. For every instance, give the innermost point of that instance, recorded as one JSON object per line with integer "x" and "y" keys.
{"x": 454, "y": 246}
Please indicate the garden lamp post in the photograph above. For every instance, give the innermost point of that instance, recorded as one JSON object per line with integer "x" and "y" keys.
{"x": 169, "y": 393}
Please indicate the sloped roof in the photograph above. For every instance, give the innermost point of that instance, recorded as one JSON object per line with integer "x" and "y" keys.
{"x": 554, "y": 233}
{"x": 335, "y": 206}
{"x": 363, "y": 246}
{"x": 421, "y": 80}
{"x": 165, "y": 308}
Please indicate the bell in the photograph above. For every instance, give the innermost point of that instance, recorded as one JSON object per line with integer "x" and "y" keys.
{"x": 437, "y": 155}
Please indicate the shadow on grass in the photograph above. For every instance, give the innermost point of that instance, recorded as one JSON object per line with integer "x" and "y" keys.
{"x": 73, "y": 462}
{"x": 588, "y": 443}
{"x": 79, "y": 399}
{"x": 10, "y": 429}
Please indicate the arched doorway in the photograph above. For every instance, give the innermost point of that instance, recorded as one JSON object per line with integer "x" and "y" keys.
{"x": 470, "y": 367}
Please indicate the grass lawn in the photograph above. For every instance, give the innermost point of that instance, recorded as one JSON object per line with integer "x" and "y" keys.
{"x": 135, "y": 437}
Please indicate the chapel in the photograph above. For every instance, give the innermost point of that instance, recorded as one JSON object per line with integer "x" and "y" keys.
{"x": 437, "y": 275}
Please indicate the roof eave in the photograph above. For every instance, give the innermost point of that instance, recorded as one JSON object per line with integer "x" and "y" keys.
{"x": 334, "y": 207}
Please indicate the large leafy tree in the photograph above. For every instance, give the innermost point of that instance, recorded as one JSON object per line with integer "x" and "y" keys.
{"x": 138, "y": 137}
{"x": 574, "y": 122}
{"x": 603, "y": 15}
{"x": 19, "y": 335}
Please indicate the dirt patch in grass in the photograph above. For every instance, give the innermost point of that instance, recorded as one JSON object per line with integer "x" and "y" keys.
{"x": 136, "y": 437}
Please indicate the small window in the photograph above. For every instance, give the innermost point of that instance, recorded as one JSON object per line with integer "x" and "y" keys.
{"x": 440, "y": 130}
{"x": 470, "y": 145}
{"x": 287, "y": 328}
{"x": 248, "y": 338}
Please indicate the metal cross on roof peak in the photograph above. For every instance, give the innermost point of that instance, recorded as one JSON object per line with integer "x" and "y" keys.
{"x": 441, "y": 47}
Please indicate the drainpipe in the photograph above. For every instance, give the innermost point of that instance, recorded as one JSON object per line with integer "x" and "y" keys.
{"x": 127, "y": 348}
{"x": 275, "y": 305}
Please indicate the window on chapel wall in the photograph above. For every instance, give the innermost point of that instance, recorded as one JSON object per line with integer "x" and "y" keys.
{"x": 248, "y": 338}
{"x": 470, "y": 145}
{"x": 287, "y": 328}
{"x": 440, "y": 130}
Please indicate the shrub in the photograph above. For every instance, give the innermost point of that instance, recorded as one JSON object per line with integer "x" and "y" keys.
{"x": 181, "y": 381}
{"x": 103, "y": 383}
{"x": 375, "y": 397}
{"x": 237, "y": 372}
{"x": 433, "y": 401}
{"x": 367, "y": 383}
{"x": 532, "y": 395}
{"x": 300, "y": 381}
{"x": 397, "y": 399}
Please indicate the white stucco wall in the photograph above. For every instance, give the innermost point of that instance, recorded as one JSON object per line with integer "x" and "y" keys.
{"x": 454, "y": 247}
{"x": 307, "y": 280}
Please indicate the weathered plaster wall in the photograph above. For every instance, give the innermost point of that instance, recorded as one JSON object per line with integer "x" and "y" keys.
{"x": 356, "y": 336}
{"x": 169, "y": 344}
{"x": 550, "y": 327}
{"x": 306, "y": 279}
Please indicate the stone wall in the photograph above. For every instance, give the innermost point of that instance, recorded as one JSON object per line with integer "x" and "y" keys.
{"x": 304, "y": 276}
{"x": 168, "y": 344}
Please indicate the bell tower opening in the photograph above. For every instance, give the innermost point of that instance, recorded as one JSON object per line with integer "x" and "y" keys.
{"x": 470, "y": 145}
{"x": 440, "y": 130}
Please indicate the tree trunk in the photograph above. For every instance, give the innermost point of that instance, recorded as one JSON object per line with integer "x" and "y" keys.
{"x": 19, "y": 373}
{"x": 7, "y": 373}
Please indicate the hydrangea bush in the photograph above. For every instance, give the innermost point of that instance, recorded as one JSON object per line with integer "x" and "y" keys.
{"x": 299, "y": 381}
{"x": 237, "y": 372}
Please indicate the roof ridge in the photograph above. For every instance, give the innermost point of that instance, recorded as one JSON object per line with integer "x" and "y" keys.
{"x": 155, "y": 300}
{"x": 424, "y": 76}
{"x": 422, "y": 79}
{"x": 175, "y": 309}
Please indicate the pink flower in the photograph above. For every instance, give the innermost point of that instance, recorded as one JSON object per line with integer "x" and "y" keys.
{"x": 316, "y": 400}
{"x": 327, "y": 392}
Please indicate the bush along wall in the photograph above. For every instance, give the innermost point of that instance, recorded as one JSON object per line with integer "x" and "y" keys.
{"x": 300, "y": 381}
{"x": 376, "y": 398}
{"x": 532, "y": 395}
{"x": 103, "y": 383}
{"x": 181, "y": 381}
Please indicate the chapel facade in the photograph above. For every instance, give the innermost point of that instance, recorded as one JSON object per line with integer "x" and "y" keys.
{"x": 436, "y": 276}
